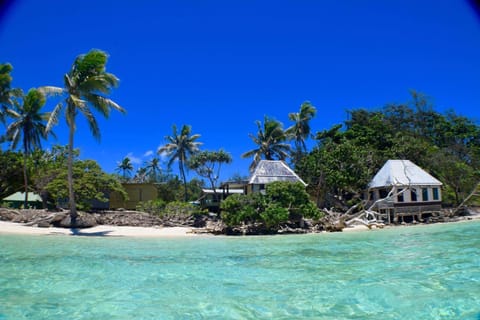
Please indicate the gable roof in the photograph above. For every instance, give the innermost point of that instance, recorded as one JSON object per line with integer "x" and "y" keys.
{"x": 402, "y": 173}
{"x": 273, "y": 170}
{"x": 20, "y": 196}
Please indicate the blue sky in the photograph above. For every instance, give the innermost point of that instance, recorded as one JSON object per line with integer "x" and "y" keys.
{"x": 221, "y": 65}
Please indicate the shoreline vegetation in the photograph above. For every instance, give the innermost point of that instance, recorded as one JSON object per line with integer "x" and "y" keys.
{"x": 29, "y": 222}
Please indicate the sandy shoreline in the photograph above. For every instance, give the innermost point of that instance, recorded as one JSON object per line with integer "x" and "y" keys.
{"x": 7, "y": 227}
{"x": 101, "y": 230}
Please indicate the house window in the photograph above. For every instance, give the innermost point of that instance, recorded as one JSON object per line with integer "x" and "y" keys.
{"x": 413, "y": 195}
{"x": 425, "y": 194}
{"x": 435, "y": 194}
{"x": 383, "y": 193}
{"x": 400, "y": 196}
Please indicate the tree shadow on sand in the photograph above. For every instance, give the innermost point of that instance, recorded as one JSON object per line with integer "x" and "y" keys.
{"x": 78, "y": 232}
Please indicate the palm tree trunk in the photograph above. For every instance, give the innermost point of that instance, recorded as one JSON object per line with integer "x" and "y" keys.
{"x": 25, "y": 178}
{"x": 71, "y": 193}
{"x": 182, "y": 173}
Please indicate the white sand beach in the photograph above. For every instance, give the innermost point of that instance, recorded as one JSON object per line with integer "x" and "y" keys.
{"x": 102, "y": 230}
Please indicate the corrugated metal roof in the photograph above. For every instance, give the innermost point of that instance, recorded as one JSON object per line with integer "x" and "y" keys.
{"x": 402, "y": 173}
{"x": 268, "y": 171}
{"x": 20, "y": 196}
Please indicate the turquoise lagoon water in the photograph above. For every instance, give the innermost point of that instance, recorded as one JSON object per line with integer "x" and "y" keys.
{"x": 423, "y": 272}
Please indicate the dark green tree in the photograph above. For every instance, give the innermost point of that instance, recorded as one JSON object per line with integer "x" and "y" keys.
{"x": 208, "y": 164}
{"x": 28, "y": 128}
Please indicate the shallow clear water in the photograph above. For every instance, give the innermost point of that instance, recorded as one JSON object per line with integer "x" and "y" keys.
{"x": 424, "y": 272}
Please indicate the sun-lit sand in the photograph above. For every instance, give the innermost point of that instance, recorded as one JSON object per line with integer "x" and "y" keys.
{"x": 103, "y": 230}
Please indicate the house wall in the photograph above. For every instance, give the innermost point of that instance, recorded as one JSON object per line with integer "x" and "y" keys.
{"x": 407, "y": 195}
{"x": 137, "y": 192}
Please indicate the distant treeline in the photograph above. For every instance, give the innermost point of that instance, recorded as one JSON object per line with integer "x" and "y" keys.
{"x": 348, "y": 155}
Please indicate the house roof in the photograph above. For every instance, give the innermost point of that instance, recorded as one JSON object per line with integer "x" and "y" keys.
{"x": 273, "y": 170}
{"x": 402, "y": 173}
{"x": 20, "y": 196}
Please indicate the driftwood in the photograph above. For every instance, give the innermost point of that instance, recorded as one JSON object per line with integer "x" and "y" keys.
{"x": 474, "y": 192}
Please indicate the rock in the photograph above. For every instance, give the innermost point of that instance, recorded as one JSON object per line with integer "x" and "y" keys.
{"x": 43, "y": 224}
{"x": 8, "y": 214}
{"x": 83, "y": 220}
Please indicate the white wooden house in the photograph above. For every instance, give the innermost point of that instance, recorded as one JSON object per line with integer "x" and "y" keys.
{"x": 268, "y": 171}
{"x": 402, "y": 190}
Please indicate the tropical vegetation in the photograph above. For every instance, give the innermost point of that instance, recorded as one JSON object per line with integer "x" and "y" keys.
{"x": 336, "y": 163}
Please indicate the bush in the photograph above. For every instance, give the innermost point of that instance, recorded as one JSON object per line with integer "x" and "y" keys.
{"x": 282, "y": 202}
{"x": 274, "y": 215}
{"x": 180, "y": 209}
{"x": 151, "y": 206}
{"x": 238, "y": 209}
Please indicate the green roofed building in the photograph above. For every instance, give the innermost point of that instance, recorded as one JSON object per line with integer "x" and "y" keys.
{"x": 17, "y": 200}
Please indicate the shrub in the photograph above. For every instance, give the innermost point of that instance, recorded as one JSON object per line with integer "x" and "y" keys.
{"x": 151, "y": 206}
{"x": 238, "y": 209}
{"x": 274, "y": 215}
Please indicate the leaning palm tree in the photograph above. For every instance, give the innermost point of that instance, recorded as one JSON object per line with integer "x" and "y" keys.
{"x": 179, "y": 147}
{"x": 125, "y": 167}
{"x": 300, "y": 130}
{"x": 28, "y": 127}
{"x": 270, "y": 141}
{"x": 86, "y": 87}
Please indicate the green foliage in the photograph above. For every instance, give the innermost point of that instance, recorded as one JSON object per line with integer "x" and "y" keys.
{"x": 177, "y": 208}
{"x": 207, "y": 164}
{"x": 11, "y": 174}
{"x": 283, "y": 201}
{"x": 270, "y": 141}
{"x": 180, "y": 146}
{"x": 238, "y": 209}
{"x": 91, "y": 183}
{"x": 273, "y": 215}
{"x": 152, "y": 206}
{"x": 447, "y": 145}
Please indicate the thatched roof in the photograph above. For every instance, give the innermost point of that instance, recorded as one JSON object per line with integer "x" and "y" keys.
{"x": 273, "y": 170}
{"x": 402, "y": 173}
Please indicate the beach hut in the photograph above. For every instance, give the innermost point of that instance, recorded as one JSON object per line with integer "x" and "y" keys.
{"x": 402, "y": 190}
{"x": 17, "y": 200}
{"x": 268, "y": 171}
{"x": 136, "y": 192}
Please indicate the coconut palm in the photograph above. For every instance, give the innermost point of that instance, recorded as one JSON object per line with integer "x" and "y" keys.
{"x": 86, "y": 87}
{"x": 300, "y": 130}
{"x": 140, "y": 175}
{"x": 6, "y": 92}
{"x": 125, "y": 167}
{"x": 179, "y": 147}
{"x": 28, "y": 127}
{"x": 152, "y": 168}
{"x": 270, "y": 141}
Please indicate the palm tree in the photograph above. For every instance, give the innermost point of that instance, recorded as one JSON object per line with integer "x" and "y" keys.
{"x": 28, "y": 126}
{"x": 179, "y": 147}
{"x": 270, "y": 142}
{"x": 6, "y": 92}
{"x": 87, "y": 86}
{"x": 300, "y": 130}
{"x": 126, "y": 167}
{"x": 152, "y": 168}
{"x": 140, "y": 175}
